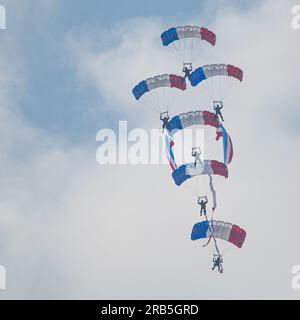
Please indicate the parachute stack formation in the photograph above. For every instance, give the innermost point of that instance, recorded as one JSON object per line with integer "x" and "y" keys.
{"x": 187, "y": 43}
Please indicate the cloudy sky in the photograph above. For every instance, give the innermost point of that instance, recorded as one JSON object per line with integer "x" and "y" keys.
{"x": 70, "y": 228}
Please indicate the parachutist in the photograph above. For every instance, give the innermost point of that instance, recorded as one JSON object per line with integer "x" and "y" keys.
{"x": 164, "y": 117}
{"x": 218, "y": 105}
{"x": 196, "y": 152}
{"x": 187, "y": 71}
{"x": 217, "y": 260}
{"x": 202, "y": 204}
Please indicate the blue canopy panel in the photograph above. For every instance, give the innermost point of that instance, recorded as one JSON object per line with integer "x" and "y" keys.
{"x": 199, "y": 230}
{"x": 174, "y": 125}
{"x": 140, "y": 89}
{"x": 197, "y": 76}
{"x": 169, "y": 36}
{"x": 179, "y": 175}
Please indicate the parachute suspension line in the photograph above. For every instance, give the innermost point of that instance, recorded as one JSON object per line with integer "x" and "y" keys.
{"x": 192, "y": 48}
{"x": 184, "y": 51}
{"x": 196, "y": 53}
{"x": 229, "y": 88}
{"x": 210, "y": 88}
{"x": 182, "y": 45}
{"x": 225, "y": 85}
{"x": 199, "y": 49}
{"x": 216, "y": 246}
{"x": 169, "y": 95}
{"x": 176, "y": 51}
{"x": 212, "y": 230}
{"x": 215, "y": 82}
{"x": 150, "y": 98}
{"x": 165, "y": 99}
{"x": 198, "y": 185}
{"x": 155, "y": 96}
{"x": 172, "y": 97}
{"x": 218, "y": 85}
{"x": 151, "y": 103}
{"x": 178, "y": 45}
{"x": 210, "y": 226}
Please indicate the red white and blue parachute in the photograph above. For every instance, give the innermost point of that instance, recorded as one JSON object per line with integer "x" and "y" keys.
{"x": 210, "y": 167}
{"x": 192, "y": 118}
{"x": 161, "y": 81}
{"x": 183, "y": 32}
{"x": 215, "y": 70}
{"x": 188, "y": 42}
{"x": 220, "y": 230}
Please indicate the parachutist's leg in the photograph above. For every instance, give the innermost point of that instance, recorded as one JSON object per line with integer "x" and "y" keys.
{"x": 220, "y": 115}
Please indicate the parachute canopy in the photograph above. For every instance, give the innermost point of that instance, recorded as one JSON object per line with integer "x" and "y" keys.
{"x": 199, "y": 117}
{"x": 161, "y": 81}
{"x": 188, "y": 42}
{"x": 183, "y": 32}
{"x": 213, "y": 70}
{"x": 219, "y": 229}
{"x": 187, "y": 171}
{"x": 191, "y": 118}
